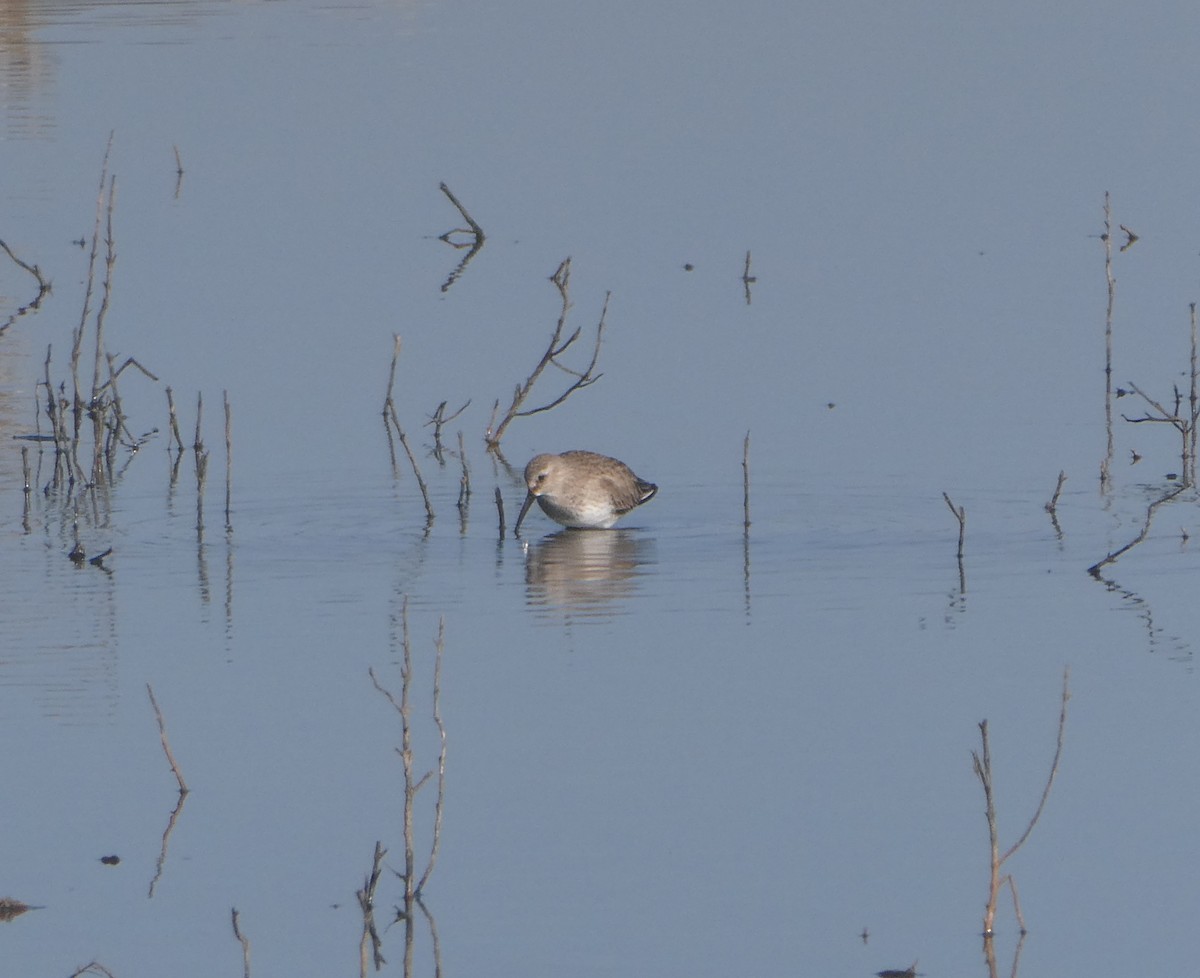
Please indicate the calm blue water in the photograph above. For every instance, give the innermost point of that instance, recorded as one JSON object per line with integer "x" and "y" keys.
{"x": 674, "y": 748}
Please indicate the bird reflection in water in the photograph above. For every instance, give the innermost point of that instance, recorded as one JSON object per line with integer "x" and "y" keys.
{"x": 586, "y": 572}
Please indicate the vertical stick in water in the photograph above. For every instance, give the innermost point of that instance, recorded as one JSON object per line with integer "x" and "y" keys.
{"x": 228, "y": 460}
{"x": 746, "y": 482}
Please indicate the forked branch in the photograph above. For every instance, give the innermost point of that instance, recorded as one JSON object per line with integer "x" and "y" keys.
{"x": 555, "y": 349}
{"x": 983, "y": 770}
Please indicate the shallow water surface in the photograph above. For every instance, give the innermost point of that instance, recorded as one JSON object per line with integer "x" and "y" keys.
{"x": 682, "y": 746}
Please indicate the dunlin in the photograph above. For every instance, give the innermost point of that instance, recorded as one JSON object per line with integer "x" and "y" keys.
{"x": 583, "y": 489}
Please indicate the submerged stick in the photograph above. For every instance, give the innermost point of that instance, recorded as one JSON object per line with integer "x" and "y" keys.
{"x": 500, "y": 509}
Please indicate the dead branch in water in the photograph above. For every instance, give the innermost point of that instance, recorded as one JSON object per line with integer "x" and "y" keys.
{"x": 746, "y": 483}
{"x": 228, "y": 460}
{"x": 1052, "y": 506}
{"x": 1106, "y": 237}
{"x": 557, "y": 346}
{"x": 960, "y": 514}
{"x": 439, "y": 419}
{"x": 166, "y": 744}
{"x": 475, "y": 239}
{"x": 747, "y": 279}
{"x": 500, "y": 510}
{"x": 413, "y": 884}
{"x": 366, "y": 903}
{"x": 1094, "y": 570}
{"x": 242, "y": 940}
{"x": 389, "y": 415}
{"x": 33, "y": 304}
{"x": 983, "y": 770}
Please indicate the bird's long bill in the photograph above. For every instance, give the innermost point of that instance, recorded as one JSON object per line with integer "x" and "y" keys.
{"x": 529, "y": 498}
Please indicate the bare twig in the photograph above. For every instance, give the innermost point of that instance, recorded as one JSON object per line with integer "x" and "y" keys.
{"x": 412, "y": 461}
{"x": 960, "y": 514}
{"x": 412, "y": 785}
{"x": 173, "y": 421}
{"x": 1106, "y": 464}
{"x": 464, "y": 482}
{"x": 747, "y": 279}
{"x": 1094, "y": 570}
{"x": 983, "y": 770}
{"x": 228, "y": 461}
{"x": 439, "y": 419}
{"x": 441, "y": 768}
{"x": 244, "y": 941}
{"x": 746, "y": 483}
{"x": 93, "y": 968}
{"x": 556, "y": 347}
{"x": 33, "y": 304}
{"x": 475, "y": 239}
{"x": 366, "y": 901}
{"x": 166, "y": 745}
{"x": 1052, "y": 506}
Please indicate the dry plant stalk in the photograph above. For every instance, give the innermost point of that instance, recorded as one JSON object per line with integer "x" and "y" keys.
{"x": 242, "y": 940}
{"x": 475, "y": 239}
{"x": 1183, "y": 422}
{"x": 746, "y": 483}
{"x": 93, "y": 968}
{"x": 747, "y": 279}
{"x": 166, "y": 744}
{"x": 960, "y": 514}
{"x": 983, "y": 770}
{"x": 366, "y": 903}
{"x": 1052, "y": 506}
{"x": 500, "y": 510}
{"x": 173, "y": 421}
{"x": 556, "y": 348}
{"x": 439, "y": 419}
{"x": 1094, "y": 570}
{"x": 228, "y": 461}
{"x": 464, "y": 482}
{"x": 389, "y": 415}
{"x": 34, "y": 303}
{"x": 1106, "y": 464}
{"x": 413, "y": 885}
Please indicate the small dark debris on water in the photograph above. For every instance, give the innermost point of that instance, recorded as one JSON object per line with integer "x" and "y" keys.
{"x": 689, "y": 267}
{"x": 77, "y": 554}
{"x": 10, "y": 909}
{"x": 865, "y": 935}
{"x": 110, "y": 860}
{"x": 33, "y": 438}
{"x": 893, "y": 973}
{"x": 98, "y": 560}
